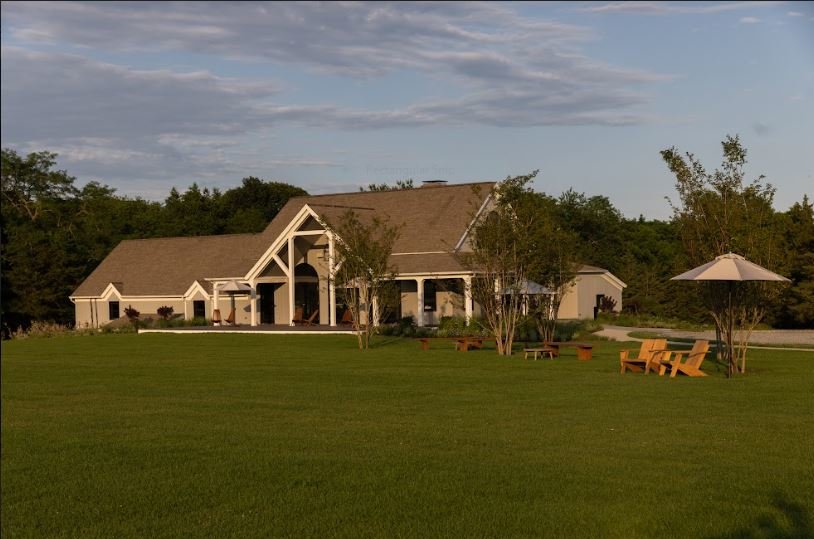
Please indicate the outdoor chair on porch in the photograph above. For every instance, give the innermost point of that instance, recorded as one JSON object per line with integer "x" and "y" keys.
{"x": 230, "y": 320}
{"x": 347, "y": 318}
{"x": 216, "y": 317}
{"x": 298, "y": 316}
{"x": 311, "y": 319}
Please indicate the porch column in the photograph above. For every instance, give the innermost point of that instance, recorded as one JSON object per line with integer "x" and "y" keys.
{"x": 253, "y": 305}
{"x": 420, "y": 301}
{"x": 468, "y": 298}
{"x": 331, "y": 283}
{"x": 291, "y": 281}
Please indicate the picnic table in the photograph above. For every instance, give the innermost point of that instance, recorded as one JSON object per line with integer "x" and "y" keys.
{"x": 462, "y": 344}
{"x": 584, "y": 349}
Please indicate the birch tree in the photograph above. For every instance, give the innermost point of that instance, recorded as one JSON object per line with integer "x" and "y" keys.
{"x": 364, "y": 274}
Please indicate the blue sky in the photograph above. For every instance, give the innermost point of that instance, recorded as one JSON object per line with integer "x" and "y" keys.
{"x": 146, "y": 96}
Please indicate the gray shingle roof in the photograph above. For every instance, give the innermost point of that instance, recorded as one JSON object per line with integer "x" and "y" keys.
{"x": 433, "y": 219}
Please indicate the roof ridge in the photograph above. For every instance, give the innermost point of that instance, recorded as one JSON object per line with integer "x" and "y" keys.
{"x": 434, "y": 189}
{"x": 193, "y": 237}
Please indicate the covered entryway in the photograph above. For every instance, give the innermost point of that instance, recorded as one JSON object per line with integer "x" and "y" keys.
{"x": 267, "y": 291}
{"x": 306, "y": 289}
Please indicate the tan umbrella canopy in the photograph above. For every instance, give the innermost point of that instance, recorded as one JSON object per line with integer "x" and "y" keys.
{"x": 234, "y": 288}
{"x": 729, "y": 268}
{"x": 527, "y": 288}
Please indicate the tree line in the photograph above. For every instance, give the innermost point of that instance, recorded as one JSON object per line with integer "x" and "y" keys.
{"x": 54, "y": 233}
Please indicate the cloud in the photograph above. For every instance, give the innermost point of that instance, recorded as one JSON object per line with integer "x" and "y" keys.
{"x": 497, "y": 67}
{"x": 48, "y": 95}
{"x": 363, "y": 39}
{"x": 794, "y": 14}
{"x": 665, "y": 8}
{"x": 749, "y": 20}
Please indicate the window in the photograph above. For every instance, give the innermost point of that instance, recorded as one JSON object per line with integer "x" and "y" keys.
{"x": 430, "y": 301}
{"x": 199, "y": 309}
{"x": 113, "y": 313}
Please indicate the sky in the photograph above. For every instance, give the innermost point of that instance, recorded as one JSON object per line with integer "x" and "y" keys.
{"x": 146, "y": 96}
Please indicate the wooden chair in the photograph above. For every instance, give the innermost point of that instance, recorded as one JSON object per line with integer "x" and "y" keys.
{"x": 347, "y": 318}
{"x": 310, "y": 321}
{"x": 298, "y": 316}
{"x": 231, "y": 318}
{"x": 651, "y": 350}
{"x": 690, "y": 367}
{"x": 216, "y": 317}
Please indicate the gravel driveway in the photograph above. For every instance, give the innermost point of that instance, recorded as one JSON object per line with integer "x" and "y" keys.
{"x": 767, "y": 337}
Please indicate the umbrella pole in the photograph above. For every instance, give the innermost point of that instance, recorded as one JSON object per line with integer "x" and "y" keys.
{"x": 729, "y": 344}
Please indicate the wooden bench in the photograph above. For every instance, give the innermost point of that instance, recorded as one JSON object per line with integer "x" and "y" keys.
{"x": 584, "y": 350}
{"x": 462, "y": 344}
{"x": 545, "y": 350}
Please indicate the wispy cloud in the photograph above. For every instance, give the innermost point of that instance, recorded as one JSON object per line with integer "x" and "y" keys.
{"x": 664, "y": 8}
{"x": 499, "y": 68}
{"x": 749, "y": 20}
{"x": 794, "y": 14}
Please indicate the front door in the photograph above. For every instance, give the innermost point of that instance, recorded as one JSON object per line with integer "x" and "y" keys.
{"x": 306, "y": 295}
{"x": 266, "y": 291}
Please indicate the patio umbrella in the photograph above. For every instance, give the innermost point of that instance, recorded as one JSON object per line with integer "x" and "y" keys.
{"x": 729, "y": 268}
{"x": 233, "y": 288}
{"x": 527, "y": 288}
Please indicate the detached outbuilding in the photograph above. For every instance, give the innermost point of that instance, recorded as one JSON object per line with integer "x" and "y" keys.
{"x": 582, "y": 301}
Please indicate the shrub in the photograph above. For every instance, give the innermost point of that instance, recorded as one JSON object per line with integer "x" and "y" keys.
{"x": 131, "y": 313}
{"x": 526, "y": 329}
{"x": 39, "y": 330}
{"x": 565, "y": 331}
{"x": 607, "y": 304}
{"x": 165, "y": 312}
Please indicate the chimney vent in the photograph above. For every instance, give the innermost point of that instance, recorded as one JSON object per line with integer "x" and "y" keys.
{"x": 433, "y": 183}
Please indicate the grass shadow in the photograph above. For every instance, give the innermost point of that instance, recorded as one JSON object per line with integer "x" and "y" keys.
{"x": 789, "y": 520}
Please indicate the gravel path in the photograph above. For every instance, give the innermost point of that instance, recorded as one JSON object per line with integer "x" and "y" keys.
{"x": 761, "y": 337}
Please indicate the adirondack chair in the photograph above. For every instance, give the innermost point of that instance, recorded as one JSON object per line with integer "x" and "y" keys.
{"x": 298, "y": 316}
{"x": 690, "y": 367}
{"x": 347, "y": 317}
{"x": 651, "y": 350}
{"x": 230, "y": 320}
{"x": 310, "y": 321}
{"x": 216, "y": 317}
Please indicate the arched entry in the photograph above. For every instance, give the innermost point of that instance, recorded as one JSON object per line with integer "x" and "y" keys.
{"x": 306, "y": 289}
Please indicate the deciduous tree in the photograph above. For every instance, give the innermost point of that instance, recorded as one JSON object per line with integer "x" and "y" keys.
{"x": 364, "y": 244}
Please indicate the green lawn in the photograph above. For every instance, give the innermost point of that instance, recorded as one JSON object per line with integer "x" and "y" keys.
{"x": 257, "y": 436}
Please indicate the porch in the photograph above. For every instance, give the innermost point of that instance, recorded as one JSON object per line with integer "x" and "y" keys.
{"x": 261, "y": 329}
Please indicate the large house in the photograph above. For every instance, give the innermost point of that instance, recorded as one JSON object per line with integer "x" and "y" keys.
{"x": 286, "y": 268}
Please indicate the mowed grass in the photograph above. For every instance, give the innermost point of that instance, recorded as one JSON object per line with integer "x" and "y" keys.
{"x": 305, "y": 436}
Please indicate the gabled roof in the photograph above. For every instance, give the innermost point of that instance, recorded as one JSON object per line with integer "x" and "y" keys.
{"x": 168, "y": 266}
{"x": 433, "y": 220}
{"x": 593, "y": 270}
